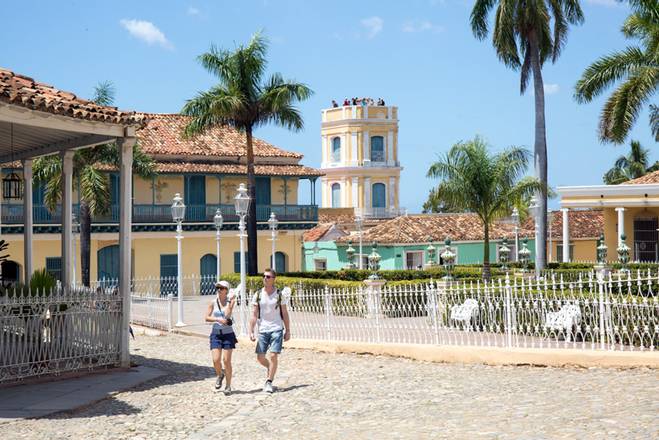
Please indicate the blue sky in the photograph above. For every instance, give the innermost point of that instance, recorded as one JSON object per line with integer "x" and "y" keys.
{"x": 418, "y": 55}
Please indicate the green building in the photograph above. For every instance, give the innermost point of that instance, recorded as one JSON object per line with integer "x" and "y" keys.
{"x": 403, "y": 241}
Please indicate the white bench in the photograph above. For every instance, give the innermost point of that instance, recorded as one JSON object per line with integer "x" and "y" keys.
{"x": 465, "y": 312}
{"x": 566, "y": 319}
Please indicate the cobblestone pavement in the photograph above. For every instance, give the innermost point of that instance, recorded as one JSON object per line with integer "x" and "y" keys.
{"x": 351, "y": 396}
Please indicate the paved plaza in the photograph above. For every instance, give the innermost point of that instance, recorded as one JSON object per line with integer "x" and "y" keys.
{"x": 323, "y": 395}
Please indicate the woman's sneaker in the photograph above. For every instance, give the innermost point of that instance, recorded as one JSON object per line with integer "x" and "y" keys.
{"x": 267, "y": 388}
{"x": 227, "y": 390}
{"x": 218, "y": 381}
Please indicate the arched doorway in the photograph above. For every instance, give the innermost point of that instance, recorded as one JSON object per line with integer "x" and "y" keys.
{"x": 208, "y": 271}
{"x": 336, "y": 195}
{"x": 379, "y": 195}
{"x": 280, "y": 262}
{"x": 108, "y": 263}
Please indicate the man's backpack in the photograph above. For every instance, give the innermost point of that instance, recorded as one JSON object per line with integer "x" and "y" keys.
{"x": 258, "y": 303}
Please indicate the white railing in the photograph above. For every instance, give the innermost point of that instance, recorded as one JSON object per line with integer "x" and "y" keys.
{"x": 55, "y": 332}
{"x": 614, "y": 313}
{"x": 152, "y": 311}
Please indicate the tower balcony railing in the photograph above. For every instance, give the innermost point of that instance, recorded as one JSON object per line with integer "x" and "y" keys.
{"x": 360, "y": 112}
{"x": 380, "y": 212}
{"x": 12, "y": 214}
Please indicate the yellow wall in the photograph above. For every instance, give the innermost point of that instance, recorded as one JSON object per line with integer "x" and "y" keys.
{"x": 148, "y": 246}
{"x": 583, "y": 249}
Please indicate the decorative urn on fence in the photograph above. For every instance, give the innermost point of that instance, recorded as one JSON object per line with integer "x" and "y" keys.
{"x": 430, "y": 252}
{"x": 350, "y": 255}
{"x": 601, "y": 269}
{"x": 448, "y": 259}
{"x": 524, "y": 255}
{"x": 374, "y": 262}
{"x": 504, "y": 254}
{"x": 623, "y": 253}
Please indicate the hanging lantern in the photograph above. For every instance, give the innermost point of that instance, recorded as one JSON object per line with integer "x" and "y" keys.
{"x": 12, "y": 187}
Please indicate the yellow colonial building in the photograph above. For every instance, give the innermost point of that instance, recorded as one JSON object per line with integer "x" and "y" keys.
{"x": 360, "y": 160}
{"x": 630, "y": 209}
{"x": 206, "y": 172}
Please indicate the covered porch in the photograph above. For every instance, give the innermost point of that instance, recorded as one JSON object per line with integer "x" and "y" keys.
{"x": 37, "y": 120}
{"x": 630, "y": 212}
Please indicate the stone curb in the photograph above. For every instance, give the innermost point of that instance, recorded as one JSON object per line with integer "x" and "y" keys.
{"x": 541, "y": 357}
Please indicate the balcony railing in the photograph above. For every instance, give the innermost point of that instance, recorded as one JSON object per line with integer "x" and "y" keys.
{"x": 379, "y": 212}
{"x": 12, "y": 214}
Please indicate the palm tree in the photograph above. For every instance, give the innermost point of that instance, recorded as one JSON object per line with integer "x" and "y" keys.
{"x": 654, "y": 121}
{"x": 637, "y": 70}
{"x": 93, "y": 184}
{"x": 523, "y": 39}
{"x": 629, "y": 167}
{"x": 473, "y": 180}
{"x": 244, "y": 100}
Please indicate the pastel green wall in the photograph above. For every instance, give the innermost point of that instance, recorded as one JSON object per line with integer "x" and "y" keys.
{"x": 393, "y": 257}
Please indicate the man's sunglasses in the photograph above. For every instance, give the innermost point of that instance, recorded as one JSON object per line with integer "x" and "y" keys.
{"x": 268, "y": 276}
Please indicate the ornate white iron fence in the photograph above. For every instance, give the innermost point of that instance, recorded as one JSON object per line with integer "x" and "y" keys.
{"x": 613, "y": 312}
{"x": 44, "y": 333}
{"x": 152, "y": 311}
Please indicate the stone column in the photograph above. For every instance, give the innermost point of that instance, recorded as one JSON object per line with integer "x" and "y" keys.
{"x": 125, "y": 221}
{"x": 392, "y": 192}
{"x": 355, "y": 192}
{"x": 367, "y": 195}
{"x": 28, "y": 221}
{"x": 344, "y": 193}
{"x": 566, "y": 235}
{"x": 324, "y": 153}
{"x": 366, "y": 148}
{"x": 621, "y": 223}
{"x": 391, "y": 160}
{"x": 67, "y": 217}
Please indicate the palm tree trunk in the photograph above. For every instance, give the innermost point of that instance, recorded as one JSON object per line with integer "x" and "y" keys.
{"x": 85, "y": 241}
{"x": 486, "y": 252}
{"x": 540, "y": 156}
{"x": 252, "y": 263}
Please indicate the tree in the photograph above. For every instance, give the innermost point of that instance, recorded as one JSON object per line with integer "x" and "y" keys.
{"x": 244, "y": 100}
{"x": 629, "y": 167}
{"x": 489, "y": 185}
{"x": 94, "y": 184}
{"x": 635, "y": 68}
{"x": 524, "y": 39}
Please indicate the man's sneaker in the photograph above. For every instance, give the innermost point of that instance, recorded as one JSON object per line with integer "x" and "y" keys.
{"x": 218, "y": 381}
{"x": 227, "y": 390}
{"x": 267, "y": 388}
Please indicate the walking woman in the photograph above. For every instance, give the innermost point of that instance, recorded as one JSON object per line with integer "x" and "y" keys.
{"x": 222, "y": 338}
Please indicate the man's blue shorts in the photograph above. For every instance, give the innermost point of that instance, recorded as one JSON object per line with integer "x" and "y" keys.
{"x": 270, "y": 341}
{"x": 226, "y": 341}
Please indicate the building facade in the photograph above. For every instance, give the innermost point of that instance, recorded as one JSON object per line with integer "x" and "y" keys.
{"x": 403, "y": 242}
{"x": 360, "y": 160}
{"x": 206, "y": 172}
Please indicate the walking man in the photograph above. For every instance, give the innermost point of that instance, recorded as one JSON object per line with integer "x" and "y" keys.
{"x": 270, "y": 314}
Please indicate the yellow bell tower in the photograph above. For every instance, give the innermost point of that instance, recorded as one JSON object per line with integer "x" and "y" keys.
{"x": 360, "y": 160}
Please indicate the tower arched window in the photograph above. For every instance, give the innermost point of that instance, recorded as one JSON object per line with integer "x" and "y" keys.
{"x": 379, "y": 195}
{"x": 377, "y": 149}
{"x": 336, "y": 149}
{"x": 336, "y": 195}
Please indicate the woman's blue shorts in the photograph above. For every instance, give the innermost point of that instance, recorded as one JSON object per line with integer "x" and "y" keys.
{"x": 226, "y": 341}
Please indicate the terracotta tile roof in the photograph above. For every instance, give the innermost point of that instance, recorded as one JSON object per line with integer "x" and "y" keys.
{"x": 436, "y": 227}
{"x": 21, "y": 90}
{"x": 317, "y": 232}
{"x": 588, "y": 223}
{"x": 330, "y": 216}
{"x": 163, "y": 136}
{"x": 649, "y": 178}
{"x": 224, "y": 168}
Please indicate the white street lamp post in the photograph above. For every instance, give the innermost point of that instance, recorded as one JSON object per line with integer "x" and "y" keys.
{"x": 515, "y": 216}
{"x": 218, "y": 220}
{"x": 178, "y": 213}
{"x": 359, "y": 220}
{"x": 241, "y": 205}
{"x": 272, "y": 223}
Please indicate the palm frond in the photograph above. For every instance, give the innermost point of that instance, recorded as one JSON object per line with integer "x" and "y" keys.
{"x": 95, "y": 190}
{"x": 104, "y": 93}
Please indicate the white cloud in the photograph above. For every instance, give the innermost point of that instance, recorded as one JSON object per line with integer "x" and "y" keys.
{"x": 607, "y": 3}
{"x": 193, "y": 11}
{"x": 551, "y": 89}
{"x": 146, "y": 31}
{"x": 373, "y": 25}
{"x": 421, "y": 26}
